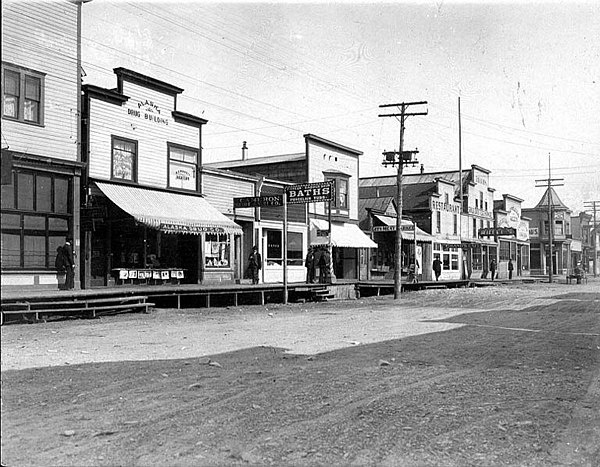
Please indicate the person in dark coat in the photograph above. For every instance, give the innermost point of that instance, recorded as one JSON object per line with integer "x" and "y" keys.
{"x": 254, "y": 264}
{"x": 310, "y": 266}
{"x": 323, "y": 268}
{"x": 59, "y": 265}
{"x": 511, "y": 267}
{"x": 493, "y": 267}
{"x": 437, "y": 268}
{"x": 69, "y": 263}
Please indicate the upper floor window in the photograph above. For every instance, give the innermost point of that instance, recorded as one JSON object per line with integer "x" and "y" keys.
{"x": 22, "y": 94}
{"x": 438, "y": 222}
{"x": 340, "y": 196}
{"x": 455, "y": 229}
{"x": 183, "y": 167}
{"x": 124, "y": 159}
{"x": 446, "y": 198}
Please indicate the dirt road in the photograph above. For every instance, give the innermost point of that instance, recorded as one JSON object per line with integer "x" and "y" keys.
{"x": 495, "y": 376}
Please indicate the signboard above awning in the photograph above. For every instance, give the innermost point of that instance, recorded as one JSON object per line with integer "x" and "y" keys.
{"x": 169, "y": 212}
{"x": 342, "y": 235}
{"x": 407, "y": 228}
{"x": 309, "y": 192}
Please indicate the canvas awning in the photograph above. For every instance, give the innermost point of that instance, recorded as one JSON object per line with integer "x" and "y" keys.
{"x": 169, "y": 212}
{"x": 343, "y": 235}
{"x": 388, "y": 224}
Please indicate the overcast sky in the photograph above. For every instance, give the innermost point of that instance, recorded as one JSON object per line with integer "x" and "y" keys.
{"x": 527, "y": 74}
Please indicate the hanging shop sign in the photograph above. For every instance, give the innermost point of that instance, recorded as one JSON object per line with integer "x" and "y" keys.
{"x": 258, "y": 201}
{"x": 322, "y": 233}
{"x": 193, "y": 229}
{"x": 493, "y": 231}
{"x": 309, "y": 192}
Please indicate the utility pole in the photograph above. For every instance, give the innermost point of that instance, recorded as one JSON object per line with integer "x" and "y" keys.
{"x": 401, "y": 158}
{"x": 595, "y": 205}
{"x": 550, "y": 182}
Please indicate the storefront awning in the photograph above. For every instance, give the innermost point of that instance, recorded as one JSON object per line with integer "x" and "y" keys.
{"x": 342, "y": 235}
{"x": 169, "y": 212}
{"x": 407, "y": 232}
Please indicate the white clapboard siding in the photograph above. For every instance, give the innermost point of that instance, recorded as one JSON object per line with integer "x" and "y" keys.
{"x": 128, "y": 121}
{"x": 42, "y": 36}
{"x": 220, "y": 190}
{"x": 323, "y": 159}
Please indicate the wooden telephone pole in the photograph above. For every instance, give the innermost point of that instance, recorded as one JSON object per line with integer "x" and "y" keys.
{"x": 549, "y": 183}
{"x": 595, "y": 205}
{"x": 400, "y": 158}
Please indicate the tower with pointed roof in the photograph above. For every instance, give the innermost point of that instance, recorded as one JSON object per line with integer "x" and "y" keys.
{"x": 539, "y": 234}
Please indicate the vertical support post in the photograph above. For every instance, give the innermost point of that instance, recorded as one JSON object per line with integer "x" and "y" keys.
{"x": 285, "y": 228}
{"x": 398, "y": 249}
{"x": 329, "y": 245}
{"x": 550, "y": 224}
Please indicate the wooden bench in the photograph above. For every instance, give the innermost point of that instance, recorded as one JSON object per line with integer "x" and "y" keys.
{"x": 579, "y": 278}
{"x": 87, "y": 307}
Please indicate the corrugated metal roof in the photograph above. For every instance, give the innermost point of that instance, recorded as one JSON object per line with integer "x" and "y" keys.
{"x": 258, "y": 161}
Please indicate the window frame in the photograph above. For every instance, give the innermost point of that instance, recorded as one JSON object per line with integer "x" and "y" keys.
{"x": 223, "y": 242}
{"x": 134, "y": 168}
{"x": 23, "y": 74}
{"x": 196, "y": 165}
{"x": 45, "y": 228}
{"x": 335, "y": 202}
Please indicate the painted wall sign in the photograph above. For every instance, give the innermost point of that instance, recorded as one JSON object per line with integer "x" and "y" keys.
{"x": 322, "y": 233}
{"x": 194, "y": 229}
{"x": 493, "y": 231}
{"x": 439, "y": 206}
{"x": 258, "y": 201}
{"x": 534, "y": 231}
{"x": 182, "y": 175}
{"x": 148, "y": 110}
{"x": 309, "y": 192}
{"x": 479, "y": 212}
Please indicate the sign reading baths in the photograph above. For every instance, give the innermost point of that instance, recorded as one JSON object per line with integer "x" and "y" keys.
{"x": 148, "y": 110}
{"x": 309, "y": 192}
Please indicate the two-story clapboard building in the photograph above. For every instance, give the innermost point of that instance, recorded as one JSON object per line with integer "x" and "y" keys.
{"x": 143, "y": 210}
{"x": 40, "y": 139}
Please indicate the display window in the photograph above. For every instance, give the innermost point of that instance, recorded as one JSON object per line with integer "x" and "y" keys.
{"x": 217, "y": 249}
{"x": 124, "y": 159}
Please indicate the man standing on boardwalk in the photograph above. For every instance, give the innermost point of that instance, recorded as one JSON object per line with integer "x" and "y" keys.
{"x": 69, "y": 265}
{"x": 254, "y": 264}
{"x": 437, "y": 268}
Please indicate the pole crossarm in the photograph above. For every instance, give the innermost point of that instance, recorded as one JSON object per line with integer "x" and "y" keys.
{"x": 406, "y": 104}
{"x": 403, "y": 114}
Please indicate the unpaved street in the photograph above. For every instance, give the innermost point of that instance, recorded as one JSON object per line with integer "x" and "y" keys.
{"x": 504, "y": 375}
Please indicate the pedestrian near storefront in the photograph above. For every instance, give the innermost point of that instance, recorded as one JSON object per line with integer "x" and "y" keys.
{"x": 310, "y": 266}
{"x": 59, "y": 265}
{"x": 69, "y": 264}
{"x": 511, "y": 267}
{"x": 437, "y": 268}
{"x": 493, "y": 268}
{"x": 254, "y": 264}
{"x": 323, "y": 267}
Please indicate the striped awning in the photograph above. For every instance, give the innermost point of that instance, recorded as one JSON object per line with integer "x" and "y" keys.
{"x": 343, "y": 235}
{"x": 388, "y": 224}
{"x": 169, "y": 212}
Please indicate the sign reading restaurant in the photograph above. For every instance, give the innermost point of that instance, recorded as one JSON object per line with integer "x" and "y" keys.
{"x": 309, "y": 192}
{"x": 439, "y": 206}
{"x": 148, "y": 110}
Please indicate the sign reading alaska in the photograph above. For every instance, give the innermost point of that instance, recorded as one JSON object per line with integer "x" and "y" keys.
{"x": 148, "y": 110}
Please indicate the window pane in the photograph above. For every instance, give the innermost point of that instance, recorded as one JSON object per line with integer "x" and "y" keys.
{"x": 10, "y": 106}
{"x": 61, "y": 195}
{"x": 53, "y": 243}
{"x": 216, "y": 251}
{"x": 34, "y": 223}
{"x": 11, "y": 83}
{"x": 11, "y": 251}
{"x": 123, "y": 160}
{"x": 32, "y": 88}
{"x": 25, "y": 193}
{"x": 43, "y": 194}
{"x": 182, "y": 175}
{"x": 34, "y": 251}
{"x": 31, "y": 111}
{"x": 274, "y": 247}
{"x": 294, "y": 249}
{"x": 11, "y": 221}
{"x": 343, "y": 193}
{"x": 58, "y": 225}
{"x": 8, "y": 196}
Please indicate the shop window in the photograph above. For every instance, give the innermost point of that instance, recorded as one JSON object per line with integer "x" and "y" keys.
{"x": 504, "y": 250}
{"x": 274, "y": 247}
{"x": 217, "y": 251}
{"x": 183, "y": 167}
{"x": 294, "y": 249}
{"x": 37, "y": 223}
{"x": 124, "y": 159}
{"x": 22, "y": 96}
